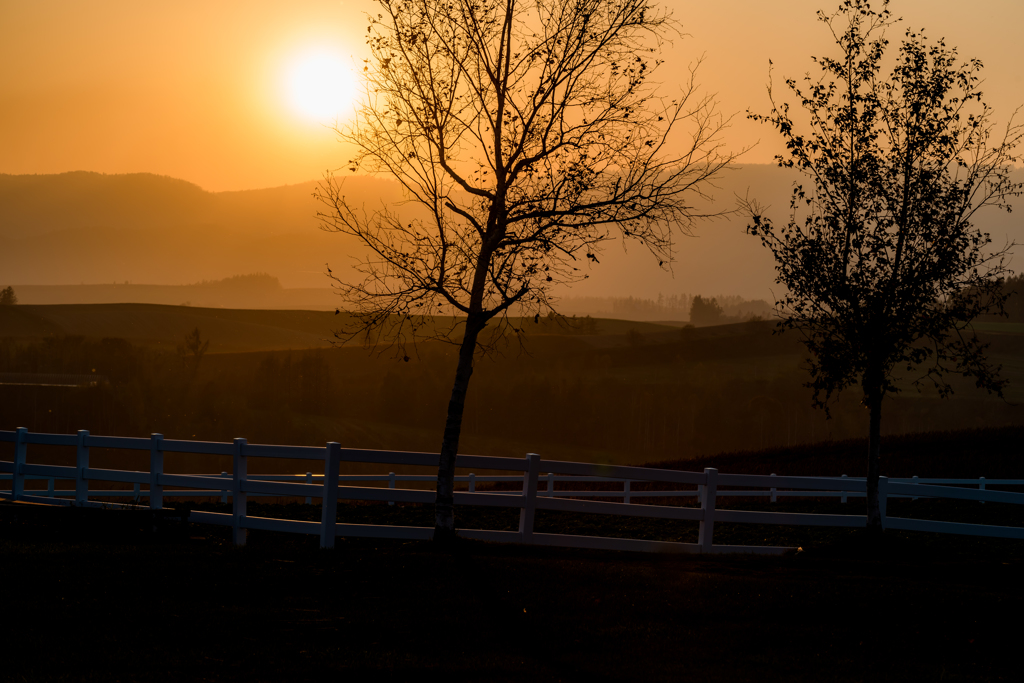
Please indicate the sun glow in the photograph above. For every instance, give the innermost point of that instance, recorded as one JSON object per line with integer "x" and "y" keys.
{"x": 322, "y": 87}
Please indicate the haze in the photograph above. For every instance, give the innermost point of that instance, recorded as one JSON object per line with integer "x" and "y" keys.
{"x": 212, "y": 93}
{"x": 199, "y": 91}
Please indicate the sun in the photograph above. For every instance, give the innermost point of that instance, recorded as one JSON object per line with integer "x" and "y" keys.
{"x": 321, "y": 87}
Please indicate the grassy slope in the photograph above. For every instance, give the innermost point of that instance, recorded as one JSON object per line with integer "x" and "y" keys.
{"x": 154, "y": 324}
{"x": 740, "y": 375}
{"x": 231, "y": 330}
{"x": 240, "y": 330}
{"x": 991, "y": 453}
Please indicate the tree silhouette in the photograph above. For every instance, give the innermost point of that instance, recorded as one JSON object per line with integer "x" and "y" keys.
{"x": 192, "y": 350}
{"x": 883, "y": 267}
{"x": 525, "y": 134}
{"x": 705, "y": 311}
{"x": 8, "y": 297}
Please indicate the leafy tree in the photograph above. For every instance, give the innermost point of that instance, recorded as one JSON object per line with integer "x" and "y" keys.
{"x": 8, "y": 297}
{"x": 883, "y": 266}
{"x": 525, "y": 134}
{"x": 1013, "y": 288}
{"x": 705, "y": 311}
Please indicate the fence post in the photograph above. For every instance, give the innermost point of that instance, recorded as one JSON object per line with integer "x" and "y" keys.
{"x": 472, "y": 482}
{"x": 700, "y": 494}
{"x": 50, "y": 487}
{"x": 773, "y": 488}
{"x": 391, "y": 485}
{"x": 81, "y": 465}
{"x": 224, "y": 492}
{"x": 239, "y": 474}
{"x": 981, "y": 487}
{"x": 707, "y": 522}
{"x": 20, "y": 452}
{"x": 529, "y": 509}
{"x": 309, "y": 480}
{"x": 625, "y": 492}
{"x": 329, "y": 509}
{"x": 156, "y": 468}
{"x": 915, "y": 480}
{"x": 551, "y": 484}
{"x": 883, "y": 497}
{"x": 842, "y": 494}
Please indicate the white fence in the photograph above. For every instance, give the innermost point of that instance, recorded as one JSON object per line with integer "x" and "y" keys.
{"x": 527, "y": 470}
{"x": 627, "y": 493}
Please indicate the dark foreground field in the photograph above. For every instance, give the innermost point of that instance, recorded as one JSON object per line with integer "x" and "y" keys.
{"x": 94, "y": 595}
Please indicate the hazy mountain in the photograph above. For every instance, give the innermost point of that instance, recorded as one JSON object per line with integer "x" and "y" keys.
{"x": 254, "y": 291}
{"x": 90, "y": 228}
{"x": 39, "y": 204}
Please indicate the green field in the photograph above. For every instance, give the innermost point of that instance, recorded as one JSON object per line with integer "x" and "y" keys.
{"x": 230, "y": 330}
{"x": 165, "y": 326}
{"x": 593, "y": 390}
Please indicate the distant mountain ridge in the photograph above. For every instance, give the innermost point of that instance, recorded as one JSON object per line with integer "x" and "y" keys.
{"x": 254, "y": 291}
{"x": 32, "y": 205}
{"x": 90, "y": 228}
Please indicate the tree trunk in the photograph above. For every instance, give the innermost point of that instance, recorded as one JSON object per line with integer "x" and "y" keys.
{"x": 444, "y": 502}
{"x": 873, "y": 398}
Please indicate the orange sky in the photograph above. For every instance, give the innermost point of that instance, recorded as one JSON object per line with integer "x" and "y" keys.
{"x": 198, "y": 90}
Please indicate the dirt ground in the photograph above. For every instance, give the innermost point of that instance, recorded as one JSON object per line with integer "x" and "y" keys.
{"x": 96, "y": 595}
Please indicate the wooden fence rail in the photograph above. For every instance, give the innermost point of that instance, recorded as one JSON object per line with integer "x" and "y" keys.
{"x": 239, "y": 485}
{"x": 627, "y": 493}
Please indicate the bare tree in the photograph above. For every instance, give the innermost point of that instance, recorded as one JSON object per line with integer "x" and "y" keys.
{"x": 883, "y": 267}
{"x": 525, "y": 133}
{"x": 192, "y": 351}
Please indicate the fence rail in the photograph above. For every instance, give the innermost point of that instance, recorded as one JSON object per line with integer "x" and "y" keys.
{"x": 330, "y": 486}
{"x": 627, "y": 493}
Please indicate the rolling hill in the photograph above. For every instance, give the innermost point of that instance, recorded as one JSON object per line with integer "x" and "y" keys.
{"x": 600, "y": 391}
{"x": 230, "y": 330}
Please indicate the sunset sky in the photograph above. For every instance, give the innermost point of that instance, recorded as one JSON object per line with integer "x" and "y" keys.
{"x": 212, "y": 92}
